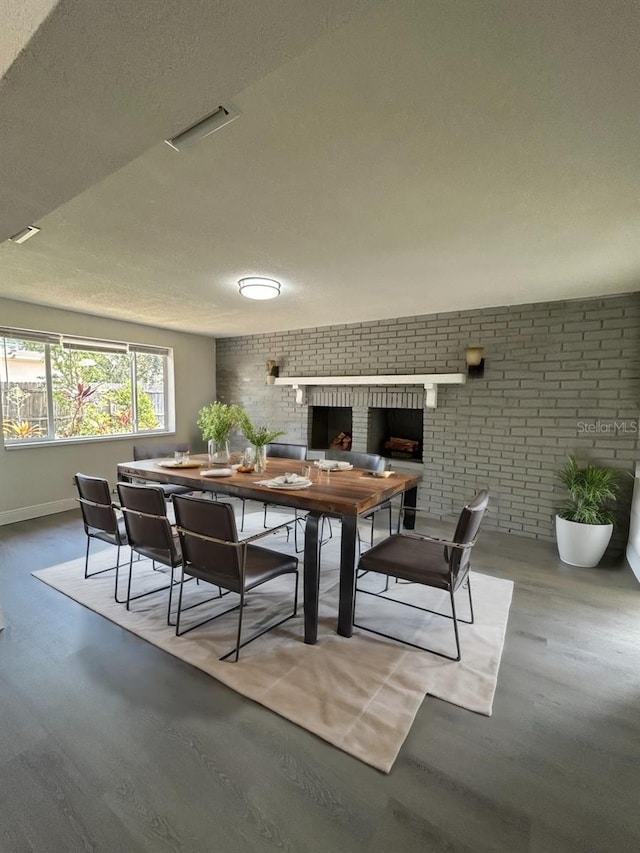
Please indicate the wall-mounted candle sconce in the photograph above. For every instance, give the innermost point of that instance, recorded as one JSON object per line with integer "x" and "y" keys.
{"x": 475, "y": 362}
{"x": 273, "y": 371}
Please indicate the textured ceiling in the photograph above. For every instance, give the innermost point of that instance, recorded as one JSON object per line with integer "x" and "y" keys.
{"x": 390, "y": 158}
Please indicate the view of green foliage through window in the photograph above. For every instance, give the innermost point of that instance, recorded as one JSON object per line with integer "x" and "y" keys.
{"x": 55, "y": 391}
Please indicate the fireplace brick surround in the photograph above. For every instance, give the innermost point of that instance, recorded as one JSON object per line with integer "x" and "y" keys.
{"x": 560, "y": 377}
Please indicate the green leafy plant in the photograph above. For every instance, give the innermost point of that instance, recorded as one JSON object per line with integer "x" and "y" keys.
{"x": 217, "y": 420}
{"x": 257, "y": 435}
{"x": 20, "y": 429}
{"x": 122, "y": 414}
{"x": 592, "y": 492}
{"x": 79, "y": 396}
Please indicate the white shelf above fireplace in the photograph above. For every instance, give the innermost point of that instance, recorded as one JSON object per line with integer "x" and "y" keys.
{"x": 429, "y": 381}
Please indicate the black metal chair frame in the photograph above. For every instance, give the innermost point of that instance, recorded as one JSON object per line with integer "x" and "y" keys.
{"x": 91, "y": 536}
{"x": 102, "y": 535}
{"x": 185, "y": 532}
{"x": 281, "y": 444}
{"x": 453, "y": 615}
{"x": 371, "y": 516}
{"x": 345, "y": 455}
{"x": 165, "y": 450}
{"x": 298, "y": 519}
{"x": 169, "y": 562}
{"x": 451, "y": 588}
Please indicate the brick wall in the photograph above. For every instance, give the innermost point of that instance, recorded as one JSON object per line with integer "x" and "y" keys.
{"x": 560, "y": 377}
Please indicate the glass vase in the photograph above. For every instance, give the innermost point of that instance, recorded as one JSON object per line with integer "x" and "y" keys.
{"x": 218, "y": 452}
{"x": 261, "y": 460}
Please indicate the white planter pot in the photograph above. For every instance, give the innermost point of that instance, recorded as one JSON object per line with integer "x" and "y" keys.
{"x": 582, "y": 544}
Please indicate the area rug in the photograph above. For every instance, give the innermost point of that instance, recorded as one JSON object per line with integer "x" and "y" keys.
{"x": 360, "y": 694}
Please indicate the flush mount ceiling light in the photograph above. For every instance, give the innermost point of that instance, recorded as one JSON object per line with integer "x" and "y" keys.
{"x": 25, "y": 234}
{"x": 259, "y": 288}
{"x": 217, "y": 119}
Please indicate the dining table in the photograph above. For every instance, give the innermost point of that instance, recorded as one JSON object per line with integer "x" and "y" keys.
{"x": 346, "y": 494}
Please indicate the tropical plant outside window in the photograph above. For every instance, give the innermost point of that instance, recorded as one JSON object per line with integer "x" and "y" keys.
{"x": 59, "y": 388}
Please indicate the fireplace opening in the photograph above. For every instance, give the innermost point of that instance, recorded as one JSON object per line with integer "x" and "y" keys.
{"x": 331, "y": 426}
{"x": 396, "y": 433}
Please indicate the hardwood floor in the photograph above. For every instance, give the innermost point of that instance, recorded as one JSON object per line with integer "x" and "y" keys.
{"x": 109, "y": 744}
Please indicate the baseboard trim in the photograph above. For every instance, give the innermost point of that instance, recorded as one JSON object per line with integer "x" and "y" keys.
{"x": 24, "y": 513}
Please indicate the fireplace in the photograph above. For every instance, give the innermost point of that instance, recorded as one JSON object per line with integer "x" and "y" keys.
{"x": 331, "y": 426}
{"x": 396, "y": 433}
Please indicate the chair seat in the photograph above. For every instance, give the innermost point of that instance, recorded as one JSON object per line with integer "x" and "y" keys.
{"x": 162, "y": 555}
{"x": 211, "y": 551}
{"x": 414, "y": 560}
{"x": 262, "y": 565}
{"x": 173, "y": 489}
{"x": 117, "y": 538}
{"x": 372, "y": 512}
{"x": 421, "y": 560}
{"x": 100, "y": 520}
{"x": 168, "y": 489}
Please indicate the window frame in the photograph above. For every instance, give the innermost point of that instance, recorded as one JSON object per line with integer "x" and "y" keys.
{"x": 96, "y": 345}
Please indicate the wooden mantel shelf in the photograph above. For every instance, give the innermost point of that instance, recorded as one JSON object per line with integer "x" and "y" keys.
{"x": 429, "y": 381}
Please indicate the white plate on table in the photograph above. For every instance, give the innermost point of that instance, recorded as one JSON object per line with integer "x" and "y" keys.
{"x": 331, "y": 465}
{"x": 173, "y": 463}
{"x": 217, "y": 472}
{"x": 281, "y": 483}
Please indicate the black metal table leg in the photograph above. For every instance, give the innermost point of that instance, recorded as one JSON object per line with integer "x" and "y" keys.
{"x": 311, "y": 578}
{"x": 410, "y": 501}
{"x": 347, "y": 574}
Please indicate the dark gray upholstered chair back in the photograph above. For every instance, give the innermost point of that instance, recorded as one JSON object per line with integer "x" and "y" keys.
{"x": 148, "y": 528}
{"x": 218, "y": 563}
{"x": 423, "y": 559}
{"x": 466, "y": 531}
{"x": 157, "y": 451}
{"x": 98, "y": 513}
{"x": 287, "y": 451}
{"x": 161, "y": 451}
{"x": 211, "y": 552}
{"x": 100, "y": 520}
{"x": 368, "y": 461}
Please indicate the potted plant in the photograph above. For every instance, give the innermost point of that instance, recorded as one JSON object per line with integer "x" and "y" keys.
{"x": 216, "y": 422}
{"x": 584, "y": 524}
{"x": 259, "y": 436}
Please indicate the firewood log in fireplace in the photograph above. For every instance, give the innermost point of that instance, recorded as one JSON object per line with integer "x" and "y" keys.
{"x": 341, "y": 442}
{"x": 402, "y": 447}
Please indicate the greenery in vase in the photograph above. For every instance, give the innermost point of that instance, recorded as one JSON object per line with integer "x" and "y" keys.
{"x": 257, "y": 435}
{"x": 592, "y": 491}
{"x": 217, "y": 420}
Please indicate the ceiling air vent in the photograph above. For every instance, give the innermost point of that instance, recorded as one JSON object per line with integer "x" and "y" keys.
{"x": 24, "y": 235}
{"x": 204, "y": 128}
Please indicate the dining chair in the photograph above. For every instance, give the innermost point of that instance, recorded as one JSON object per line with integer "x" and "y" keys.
{"x": 101, "y": 519}
{"x": 278, "y": 450}
{"x": 431, "y": 561}
{"x": 298, "y": 452}
{"x": 212, "y": 552}
{"x": 369, "y": 462}
{"x": 162, "y": 451}
{"x": 282, "y": 450}
{"x": 149, "y": 533}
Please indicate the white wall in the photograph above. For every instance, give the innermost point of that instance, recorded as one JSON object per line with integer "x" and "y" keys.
{"x": 38, "y": 480}
{"x": 633, "y": 546}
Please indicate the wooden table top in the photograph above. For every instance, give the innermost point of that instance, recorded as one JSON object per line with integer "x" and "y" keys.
{"x": 346, "y": 493}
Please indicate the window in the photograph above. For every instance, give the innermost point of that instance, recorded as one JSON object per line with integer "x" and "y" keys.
{"x": 60, "y": 388}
